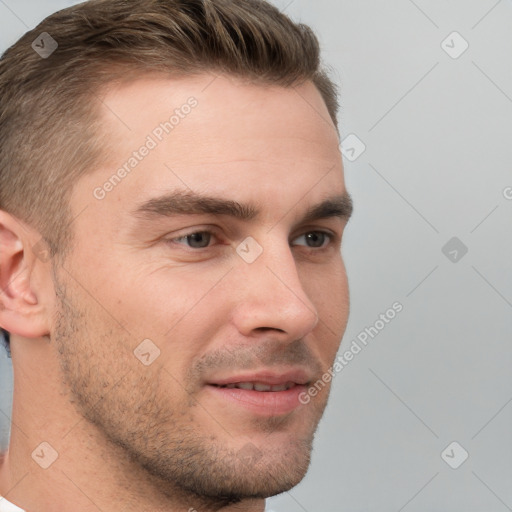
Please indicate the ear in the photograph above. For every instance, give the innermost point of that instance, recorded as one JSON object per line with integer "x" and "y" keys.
{"x": 22, "y": 308}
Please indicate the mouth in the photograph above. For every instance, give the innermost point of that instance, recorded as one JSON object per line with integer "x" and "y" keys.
{"x": 264, "y": 394}
{"x": 258, "y": 386}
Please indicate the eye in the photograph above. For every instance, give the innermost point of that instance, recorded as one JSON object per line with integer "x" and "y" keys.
{"x": 197, "y": 240}
{"x": 314, "y": 239}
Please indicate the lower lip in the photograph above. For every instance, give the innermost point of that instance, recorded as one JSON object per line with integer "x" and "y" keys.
{"x": 263, "y": 403}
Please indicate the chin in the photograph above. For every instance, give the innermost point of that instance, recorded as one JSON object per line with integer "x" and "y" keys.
{"x": 218, "y": 475}
{"x": 255, "y": 474}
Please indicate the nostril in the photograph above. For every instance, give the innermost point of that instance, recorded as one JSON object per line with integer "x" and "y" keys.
{"x": 266, "y": 329}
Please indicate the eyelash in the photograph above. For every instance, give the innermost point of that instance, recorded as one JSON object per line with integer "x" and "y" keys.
{"x": 330, "y": 236}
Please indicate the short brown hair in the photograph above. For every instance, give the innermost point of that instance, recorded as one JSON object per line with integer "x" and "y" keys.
{"x": 49, "y": 107}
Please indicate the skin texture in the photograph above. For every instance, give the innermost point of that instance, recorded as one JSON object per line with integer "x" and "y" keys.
{"x": 131, "y": 436}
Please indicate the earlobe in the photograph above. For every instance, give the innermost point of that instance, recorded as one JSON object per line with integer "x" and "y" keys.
{"x": 22, "y": 308}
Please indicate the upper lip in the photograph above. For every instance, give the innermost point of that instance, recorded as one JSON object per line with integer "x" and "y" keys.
{"x": 272, "y": 378}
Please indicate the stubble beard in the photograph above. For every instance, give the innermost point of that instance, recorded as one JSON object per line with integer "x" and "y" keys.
{"x": 132, "y": 416}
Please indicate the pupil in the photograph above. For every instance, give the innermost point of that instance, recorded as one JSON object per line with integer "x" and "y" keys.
{"x": 199, "y": 240}
{"x": 315, "y": 239}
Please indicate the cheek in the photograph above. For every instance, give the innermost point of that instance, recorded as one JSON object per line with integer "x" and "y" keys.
{"x": 328, "y": 290}
{"x": 159, "y": 304}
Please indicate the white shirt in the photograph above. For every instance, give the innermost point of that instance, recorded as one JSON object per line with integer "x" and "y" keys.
{"x": 7, "y": 506}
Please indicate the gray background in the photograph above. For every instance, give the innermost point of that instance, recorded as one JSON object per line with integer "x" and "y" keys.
{"x": 437, "y": 164}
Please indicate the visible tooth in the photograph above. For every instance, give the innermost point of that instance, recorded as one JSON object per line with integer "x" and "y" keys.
{"x": 259, "y": 386}
{"x": 281, "y": 387}
{"x": 245, "y": 385}
{"x": 262, "y": 387}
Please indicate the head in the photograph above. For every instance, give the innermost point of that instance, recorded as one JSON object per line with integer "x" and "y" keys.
{"x": 172, "y": 204}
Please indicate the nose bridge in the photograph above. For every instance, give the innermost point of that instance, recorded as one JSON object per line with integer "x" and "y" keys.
{"x": 273, "y": 295}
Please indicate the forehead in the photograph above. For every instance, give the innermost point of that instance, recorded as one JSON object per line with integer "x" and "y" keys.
{"x": 216, "y": 135}
{"x": 224, "y": 106}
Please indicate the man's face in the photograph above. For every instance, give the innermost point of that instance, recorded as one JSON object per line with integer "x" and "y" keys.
{"x": 232, "y": 328}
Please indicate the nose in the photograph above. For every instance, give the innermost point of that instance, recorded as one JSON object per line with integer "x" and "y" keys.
{"x": 272, "y": 298}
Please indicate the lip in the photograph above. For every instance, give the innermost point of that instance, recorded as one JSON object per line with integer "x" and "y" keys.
{"x": 298, "y": 376}
{"x": 262, "y": 403}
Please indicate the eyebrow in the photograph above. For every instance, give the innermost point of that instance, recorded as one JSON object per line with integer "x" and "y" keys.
{"x": 191, "y": 203}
